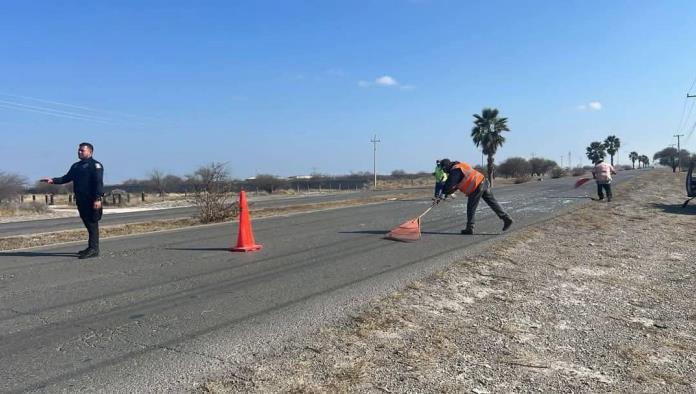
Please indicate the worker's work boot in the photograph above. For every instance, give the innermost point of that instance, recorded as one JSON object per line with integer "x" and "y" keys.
{"x": 89, "y": 254}
{"x": 83, "y": 251}
{"x": 507, "y": 222}
{"x": 468, "y": 231}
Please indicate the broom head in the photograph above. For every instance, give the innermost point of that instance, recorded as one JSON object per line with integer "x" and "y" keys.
{"x": 407, "y": 232}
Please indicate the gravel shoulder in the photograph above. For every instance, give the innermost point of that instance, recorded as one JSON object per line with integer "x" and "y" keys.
{"x": 600, "y": 299}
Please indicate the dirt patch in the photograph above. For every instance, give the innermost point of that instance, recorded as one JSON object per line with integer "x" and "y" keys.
{"x": 43, "y": 239}
{"x": 598, "y": 300}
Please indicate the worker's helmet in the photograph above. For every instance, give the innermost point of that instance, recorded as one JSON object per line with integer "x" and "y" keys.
{"x": 445, "y": 164}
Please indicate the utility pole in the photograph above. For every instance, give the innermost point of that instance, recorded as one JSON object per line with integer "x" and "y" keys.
{"x": 678, "y": 149}
{"x": 570, "y": 162}
{"x": 561, "y": 161}
{"x": 374, "y": 141}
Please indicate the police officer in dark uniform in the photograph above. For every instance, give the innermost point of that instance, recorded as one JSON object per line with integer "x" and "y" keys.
{"x": 88, "y": 185}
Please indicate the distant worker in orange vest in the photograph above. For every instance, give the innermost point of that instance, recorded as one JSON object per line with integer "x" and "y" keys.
{"x": 475, "y": 186}
{"x": 602, "y": 173}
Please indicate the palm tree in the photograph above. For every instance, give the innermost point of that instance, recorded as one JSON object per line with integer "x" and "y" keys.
{"x": 595, "y": 152}
{"x": 645, "y": 160}
{"x": 487, "y": 133}
{"x": 634, "y": 156}
{"x": 612, "y": 143}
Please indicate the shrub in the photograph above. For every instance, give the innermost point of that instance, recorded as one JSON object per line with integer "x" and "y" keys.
{"x": 515, "y": 167}
{"x": 578, "y": 171}
{"x": 212, "y": 194}
{"x": 558, "y": 172}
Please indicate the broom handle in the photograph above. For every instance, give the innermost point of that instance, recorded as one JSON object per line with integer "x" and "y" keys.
{"x": 426, "y": 211}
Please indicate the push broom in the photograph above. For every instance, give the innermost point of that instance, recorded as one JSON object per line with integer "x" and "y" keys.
{"x": 410, "y": 230}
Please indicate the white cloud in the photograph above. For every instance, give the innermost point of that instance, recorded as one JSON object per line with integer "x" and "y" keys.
{"x": 591, "y": 106}
{"x": 386, "y": 80}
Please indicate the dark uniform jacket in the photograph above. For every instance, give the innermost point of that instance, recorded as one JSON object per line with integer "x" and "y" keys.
{"x": 87, "y": 178}
{"x": 453, "y": 180}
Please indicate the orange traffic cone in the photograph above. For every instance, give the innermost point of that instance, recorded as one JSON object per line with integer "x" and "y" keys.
{"x": 245, "y": 239}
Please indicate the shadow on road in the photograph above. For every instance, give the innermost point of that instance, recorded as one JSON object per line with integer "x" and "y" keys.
{"x": 576, "y": 197}
{"x": 36, "y": 254}
{"x": 375, "y": 232}
{"x": 676, "y": 208}
{"x": 384, "y": 232}
{"x": 202, "y": 249}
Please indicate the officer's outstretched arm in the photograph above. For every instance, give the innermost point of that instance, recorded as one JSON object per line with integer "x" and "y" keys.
{"x": 63, "y": 179}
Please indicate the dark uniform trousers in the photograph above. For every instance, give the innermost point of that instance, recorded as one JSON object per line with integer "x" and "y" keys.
{"x": 605, "y": 186}
{"x": 90, "y": 217}
{"x": 473, "y": 201}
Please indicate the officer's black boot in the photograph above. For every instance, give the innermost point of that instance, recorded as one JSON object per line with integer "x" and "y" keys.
{"x": 89, "y": 254}
{"x": 469, "y": 230}
{"x": 83, "y": 251}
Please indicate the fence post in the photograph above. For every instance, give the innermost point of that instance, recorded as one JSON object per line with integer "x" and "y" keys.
{"x": 142, "y": 196}
{"x": 69, "y": 199}
{"x": 21, "y": 198}
{"x": 119, "y": 199}
{"x": 127, "y": 197}
{"x": 33, "y": 197}
{"x": 51, "y": 199}
{"x": 113, "y": 199}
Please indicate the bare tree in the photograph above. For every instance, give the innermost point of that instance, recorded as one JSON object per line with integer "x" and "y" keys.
{"x": 157, "y": 181}
{"x": 213, "y": 193}
{"x": 11, "y": 185}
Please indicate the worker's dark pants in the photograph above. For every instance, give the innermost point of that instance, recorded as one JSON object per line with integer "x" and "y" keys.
{"x": 472, "y": 203}
{"x": 605, "y": 186}
{"x": 90, "y": 217}
{"x": 438, "y": 188}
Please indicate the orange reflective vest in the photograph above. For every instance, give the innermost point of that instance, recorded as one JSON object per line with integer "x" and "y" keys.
{"x": 471, "y": 179}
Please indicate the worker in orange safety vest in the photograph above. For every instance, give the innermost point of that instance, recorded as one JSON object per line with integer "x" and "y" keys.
{"x": 461, "y": 176}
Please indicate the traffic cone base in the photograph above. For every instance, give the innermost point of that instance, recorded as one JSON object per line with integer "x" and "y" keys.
{"x": 247, "y": 248}
{"x": 245, "y": 239}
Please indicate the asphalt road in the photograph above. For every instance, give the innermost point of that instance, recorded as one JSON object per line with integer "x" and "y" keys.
{"x": 60, "y": 224}
{"x": 160, "y": 311}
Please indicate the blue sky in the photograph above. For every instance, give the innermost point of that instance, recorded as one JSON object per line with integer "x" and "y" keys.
{"x": 294, "y": 87}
